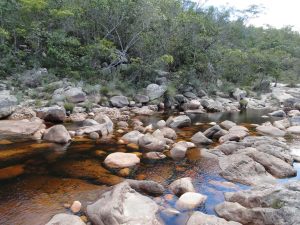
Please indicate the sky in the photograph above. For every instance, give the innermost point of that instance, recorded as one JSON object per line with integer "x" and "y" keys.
{"x": 277, "y": 13}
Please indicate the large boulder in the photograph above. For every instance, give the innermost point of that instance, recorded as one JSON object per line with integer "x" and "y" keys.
{"x": 119, "y": 101}
{"x": 119, "y": 160}
{"x": 65, "y": 219}
{"x": 264, "y": 204}
{"x": 155, "y": 91}
{"x": 151, "y": 143}
{"x": 179, "y": 121}
{"x": 243, "y": 169}
{"x": 21, "y": 127}
{"x": 182, "y": 185}
{"x": 57, "y": 134}
{"x": 270, "y": 130}
{"x": 8, "y": 104}
{"x": 199, "y": 218}
{"x": 132, "y": 137}
{"x": 200, "y": 138}
{"x": 54, "y": 114}
{"x": 75, "y": 95}
{"x": 123, "y": 205}
{"x": 275, "y": 166}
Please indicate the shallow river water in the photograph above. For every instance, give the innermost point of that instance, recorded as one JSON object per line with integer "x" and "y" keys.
{"x": 52, "y": 175}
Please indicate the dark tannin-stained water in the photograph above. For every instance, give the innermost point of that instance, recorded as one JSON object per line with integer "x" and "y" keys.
{"x": 51, "y": 175}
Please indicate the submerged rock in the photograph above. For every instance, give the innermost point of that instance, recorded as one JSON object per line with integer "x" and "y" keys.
{"x": 11, "y": 172}
{"x": 86, "y": 169}
{"x": 123, "y": 205}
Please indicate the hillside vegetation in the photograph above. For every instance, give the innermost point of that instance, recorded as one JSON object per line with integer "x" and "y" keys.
{"x": 125, "y": 41}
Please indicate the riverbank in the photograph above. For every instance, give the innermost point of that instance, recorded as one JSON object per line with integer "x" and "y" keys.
{"x": 53, "y": 157}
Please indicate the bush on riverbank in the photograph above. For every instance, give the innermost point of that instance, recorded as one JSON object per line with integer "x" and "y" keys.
{"x": 125, "y": 42}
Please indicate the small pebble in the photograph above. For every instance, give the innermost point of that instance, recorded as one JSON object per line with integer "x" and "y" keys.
{"x": 76, "y": 207}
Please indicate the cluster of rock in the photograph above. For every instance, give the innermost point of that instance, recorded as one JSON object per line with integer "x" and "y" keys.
{"x": 127, "y": 203}
{"x": 255, "y": 160}
{"x": 264, "y": 204}
{"x": 290, "y": 124}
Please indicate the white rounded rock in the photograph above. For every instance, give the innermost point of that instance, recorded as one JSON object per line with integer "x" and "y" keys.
{"x": 190, "y": 200}
{"x": 120, "y": 160}
{"x": 76, "y": 207}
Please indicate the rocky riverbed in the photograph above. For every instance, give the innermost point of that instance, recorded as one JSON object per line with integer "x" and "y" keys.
{"x": 133, "y": 163}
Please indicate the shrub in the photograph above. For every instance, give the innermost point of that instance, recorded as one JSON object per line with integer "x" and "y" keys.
{"x": 69, "y": 106}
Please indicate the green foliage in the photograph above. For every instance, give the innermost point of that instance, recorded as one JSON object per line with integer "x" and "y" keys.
{"x": 104, "y": 90}
{"x": 277, "y": 204}
{"x": 69, "y": 106}
{"x": 33, "y": 5}
{"x": 4, "y": 33}
{"x": 95, "y": 40}
{"x": 38, "y": 103}
{"x": 88, "y": 105}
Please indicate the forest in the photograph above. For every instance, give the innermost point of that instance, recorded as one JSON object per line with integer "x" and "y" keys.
{"x": 125, "y": 41}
